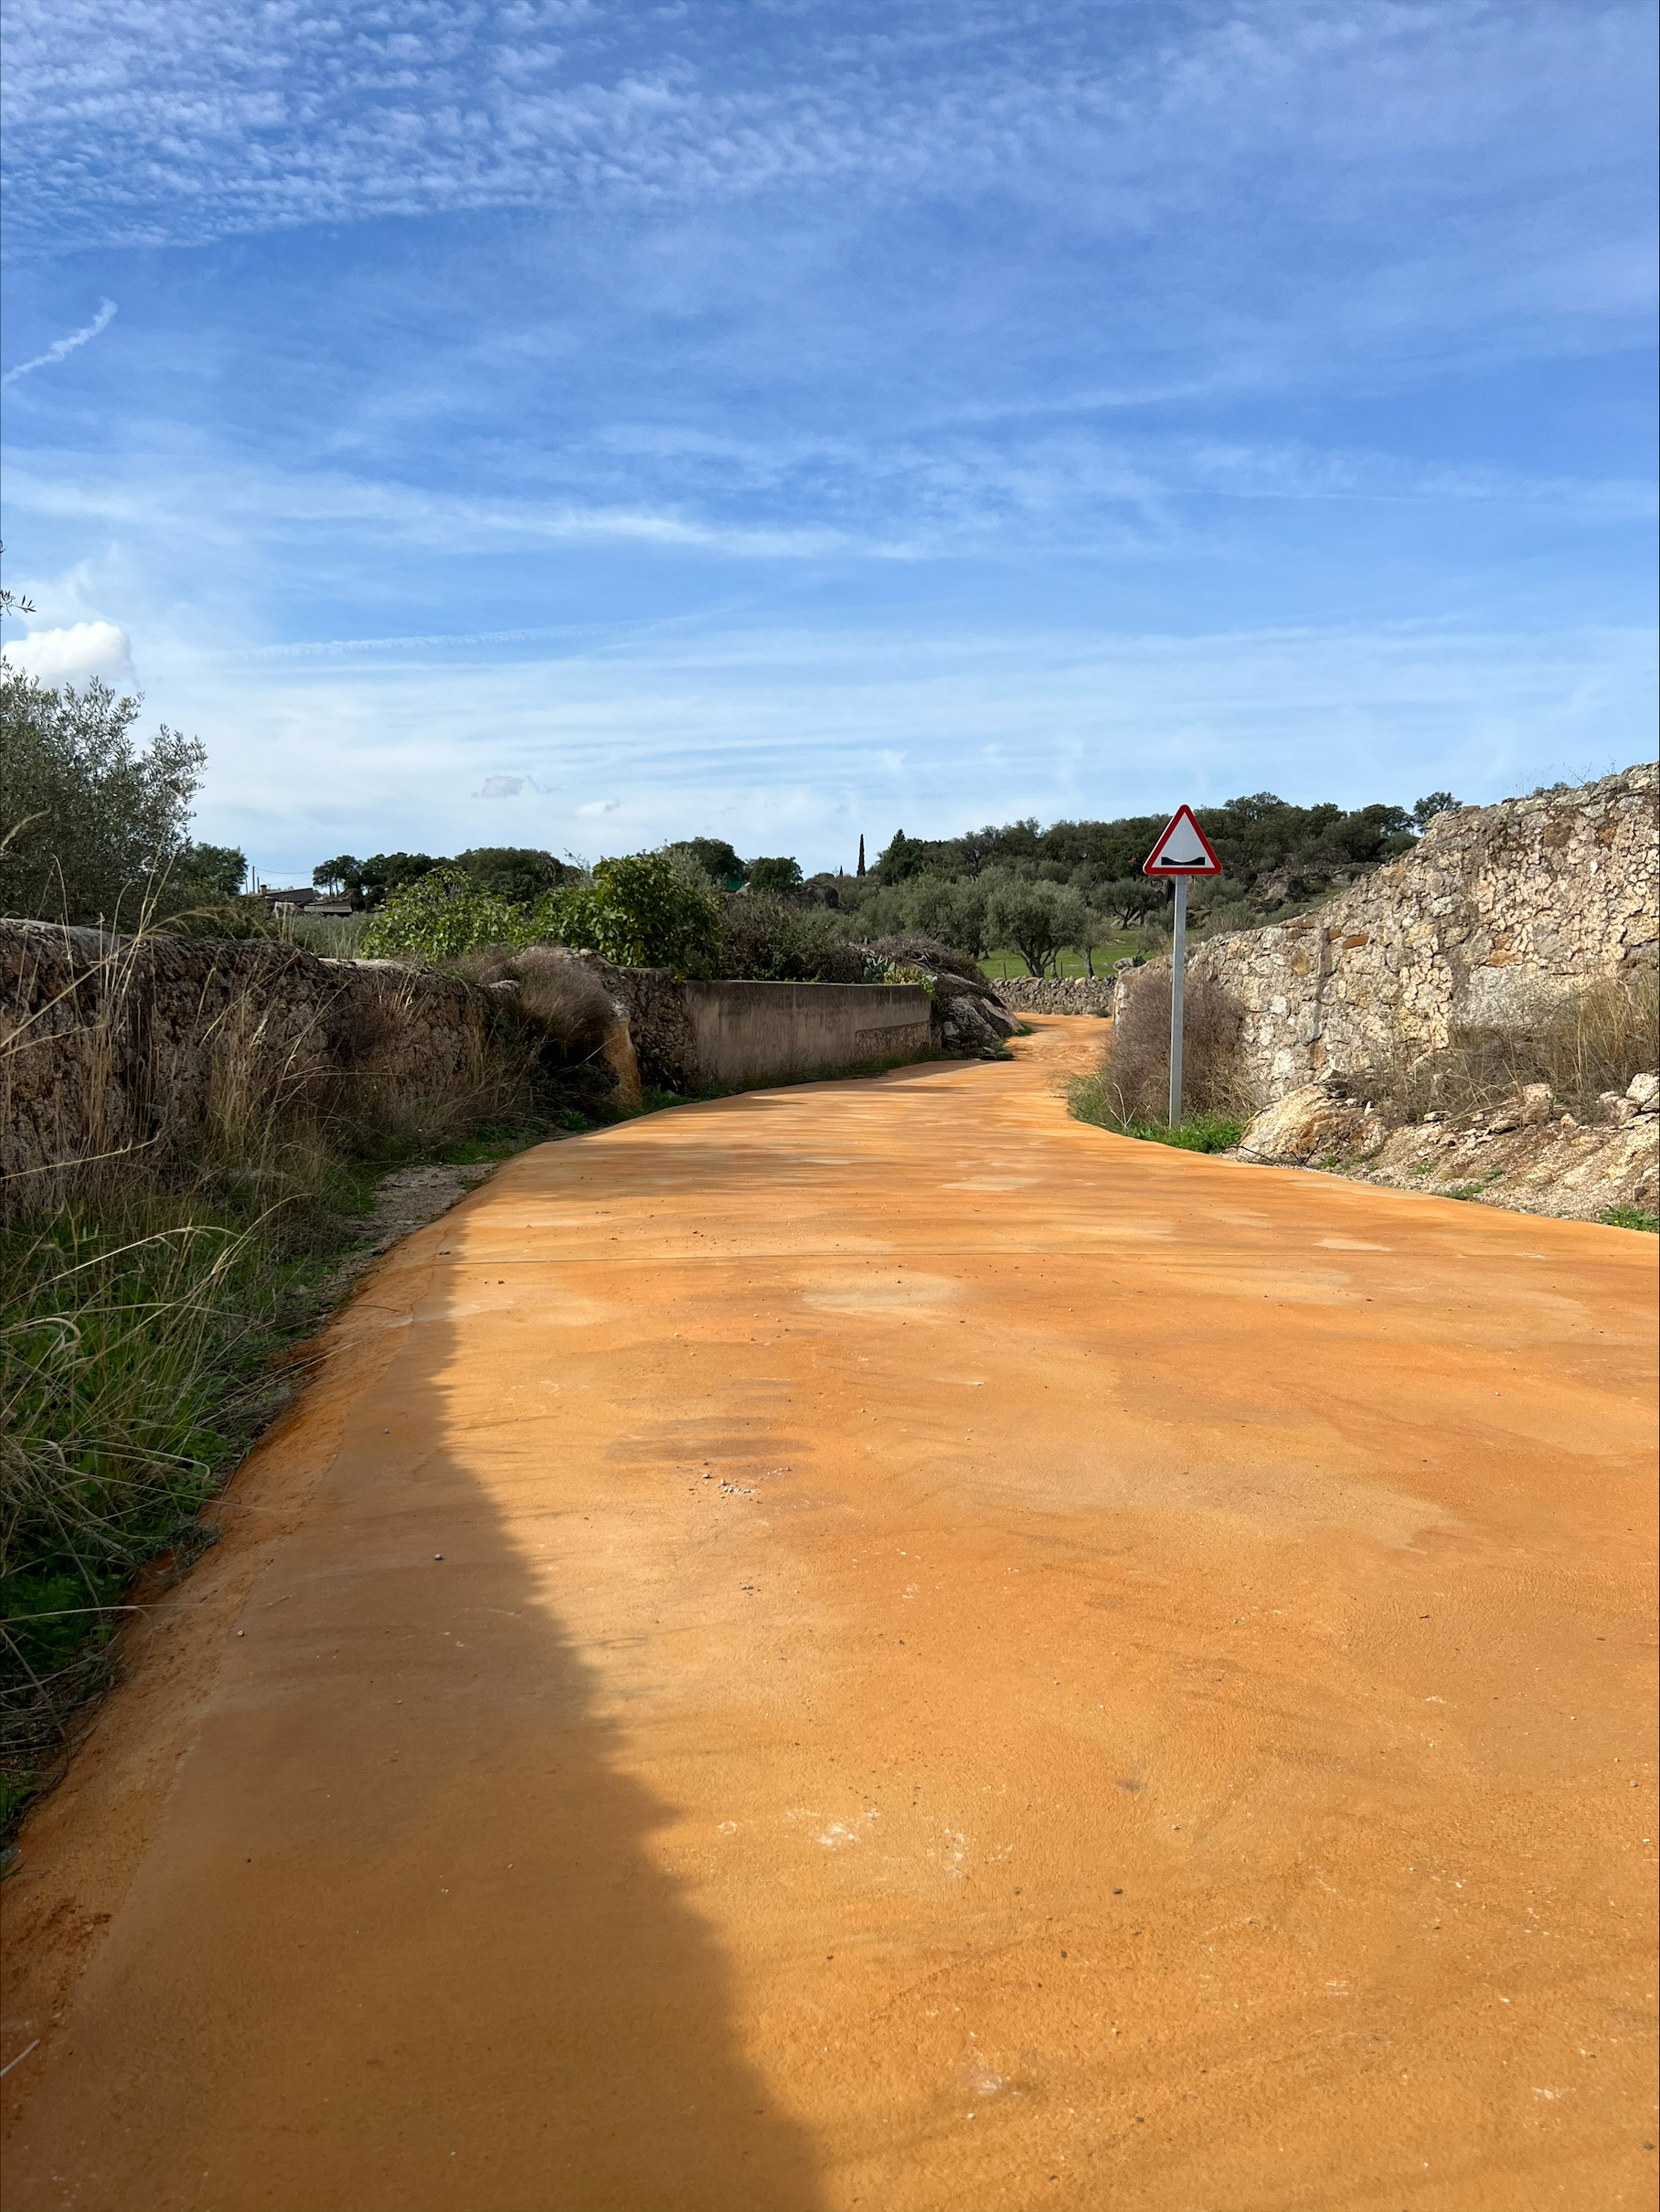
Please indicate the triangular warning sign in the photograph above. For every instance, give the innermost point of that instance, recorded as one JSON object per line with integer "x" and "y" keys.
{"x": 1183, "y": 850}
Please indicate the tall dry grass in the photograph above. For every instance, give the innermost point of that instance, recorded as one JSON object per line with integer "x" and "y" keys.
{"x": 1130, "y": 1092}
{"x": 1584, "y": 1043}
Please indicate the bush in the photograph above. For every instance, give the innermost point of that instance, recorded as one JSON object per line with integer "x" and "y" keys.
{"x": 441, "y": 915}
{"x": 555, "y": 997}
{"x": 641, "y": 912}
{"x": 765, "y": 938}
{"x": 1135, "y": 1074}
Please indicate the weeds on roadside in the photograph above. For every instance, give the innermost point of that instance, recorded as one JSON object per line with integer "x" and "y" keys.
{"x": 1093, "y": 1097}
{"x": 168, "y": 1231}
{"x": 118, "y": 1347}
{"x": 1631, "y": 1216}
{"x": 1129, "y": 1089}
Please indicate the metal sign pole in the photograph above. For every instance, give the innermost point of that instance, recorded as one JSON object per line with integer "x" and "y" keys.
{"x": 1184, "y": 850}
{"x": 1179, "y": 961}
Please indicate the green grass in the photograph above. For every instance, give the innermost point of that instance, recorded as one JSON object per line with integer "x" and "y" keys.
{"x": 122, "y": 1350}
{"x": 502, "y": 1144}
{"x": 141, "y": 1352}
{"x": 1631, "y": 1216}
{"x": 1205, "y": 1131}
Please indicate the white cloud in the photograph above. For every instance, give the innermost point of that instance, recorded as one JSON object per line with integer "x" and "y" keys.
{"x": 58, "y": 350}
{"x": 72, "y": 655}
{"x": 217, "y": 119}
{"x": 511, "y": 787}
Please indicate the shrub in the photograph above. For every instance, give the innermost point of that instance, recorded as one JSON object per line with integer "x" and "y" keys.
{"x": 556, "y": 997}
{"x": 1135, "y": 1075}
{"x": 641, "y": 911}
{"x": 765, "y": 938}
{"x": 441, "y": 915}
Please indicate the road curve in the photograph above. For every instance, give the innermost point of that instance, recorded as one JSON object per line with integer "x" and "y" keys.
{"x": 872, "y": 1645}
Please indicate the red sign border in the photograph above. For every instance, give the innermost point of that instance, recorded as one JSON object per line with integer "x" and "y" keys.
{"x": 1188, "y": 813}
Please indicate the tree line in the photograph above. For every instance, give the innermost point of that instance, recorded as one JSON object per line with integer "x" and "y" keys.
{"x": 96, "y": 826}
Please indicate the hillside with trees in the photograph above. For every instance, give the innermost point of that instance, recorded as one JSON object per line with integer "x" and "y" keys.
{"x": 98, "y": 830}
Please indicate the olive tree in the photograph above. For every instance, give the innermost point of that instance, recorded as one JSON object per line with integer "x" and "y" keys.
{"x": 93, "y": 822}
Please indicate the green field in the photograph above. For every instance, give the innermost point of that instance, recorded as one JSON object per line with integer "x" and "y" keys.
{"x": 1003, "y": 966}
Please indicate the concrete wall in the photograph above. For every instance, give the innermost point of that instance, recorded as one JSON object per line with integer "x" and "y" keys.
{"x": 756, "y": 1033}
{"x": 1496, "y": 910}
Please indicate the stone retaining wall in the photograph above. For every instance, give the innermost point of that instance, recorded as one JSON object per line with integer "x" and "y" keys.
{"x": 1498, "y": 909}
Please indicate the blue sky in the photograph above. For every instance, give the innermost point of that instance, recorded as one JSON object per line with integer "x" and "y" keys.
{"x": 580, "y": 424}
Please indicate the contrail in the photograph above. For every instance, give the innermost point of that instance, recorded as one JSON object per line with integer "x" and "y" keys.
{"x": 101, "y": 321}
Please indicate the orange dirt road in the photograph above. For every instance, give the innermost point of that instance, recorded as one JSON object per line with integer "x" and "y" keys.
{"x": 975, "y": 1665}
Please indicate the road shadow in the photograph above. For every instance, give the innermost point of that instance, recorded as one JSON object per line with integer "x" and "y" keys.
{"x": 400, "y": 1939}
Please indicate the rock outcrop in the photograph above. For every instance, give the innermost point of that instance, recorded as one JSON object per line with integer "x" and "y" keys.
{"x": 1520, "y": 1155}
{"x": 969, "y": 1017}
{"x": 1316, "y": 1122}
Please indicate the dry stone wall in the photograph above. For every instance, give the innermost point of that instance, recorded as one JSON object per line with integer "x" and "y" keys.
{"x": 1496, "y": 909}
{"x": 1052, "y": 994}
{"x": 116, "y": 1045}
